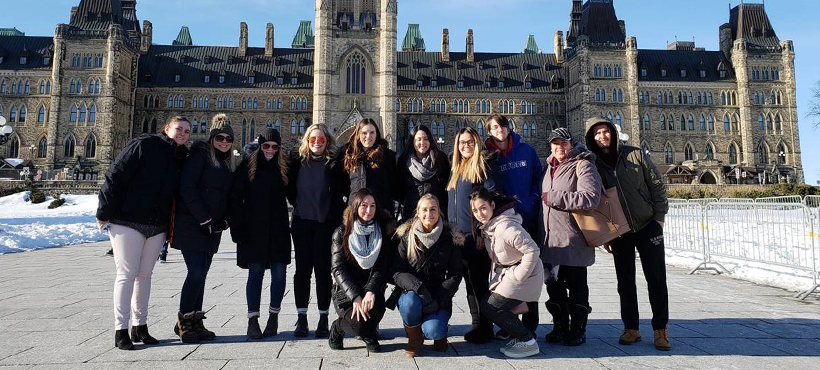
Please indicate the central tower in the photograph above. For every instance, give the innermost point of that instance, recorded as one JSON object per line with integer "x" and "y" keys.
{"x": 355, "y": 65}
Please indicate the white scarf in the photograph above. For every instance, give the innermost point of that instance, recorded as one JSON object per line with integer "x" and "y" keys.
{"x": 365, "y": 250}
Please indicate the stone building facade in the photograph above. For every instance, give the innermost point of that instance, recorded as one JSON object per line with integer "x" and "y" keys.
{"x": 723, "y": 116}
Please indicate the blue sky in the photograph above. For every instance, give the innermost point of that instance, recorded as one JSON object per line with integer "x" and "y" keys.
{"x": 500, "y": 26}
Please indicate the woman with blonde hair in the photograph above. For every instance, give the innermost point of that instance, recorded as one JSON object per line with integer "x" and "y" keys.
{"x": 472, "y": 169}
{"x": 427, "y": 267}
{"x": 369, "y": 163}
{"x": 259, "y": 215}
{"x": 314, "y": 176}
{"x": 135, "y": 209}
{"x": 201, "y": 216}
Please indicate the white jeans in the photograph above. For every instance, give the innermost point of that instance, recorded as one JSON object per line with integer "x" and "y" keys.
{"x": 134, "y": 257}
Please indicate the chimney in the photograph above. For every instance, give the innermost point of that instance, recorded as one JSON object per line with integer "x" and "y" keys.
{"x": 726, "y": 41}
{"x": 470, "y": 46}
{"x": 269, "y": 41}
{"x": 558, "y": 46}
{"x": 147, "y": 37}
{"x": 445, "y": 45}
{"x": 622, "y": 24}
{"x": 73, "y": 13}
{"x": 243, "y": 40}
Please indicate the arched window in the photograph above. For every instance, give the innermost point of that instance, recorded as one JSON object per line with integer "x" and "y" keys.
{"x": 356, "y": 74}
{"x": 663, "y": 122}
{"x": 688, "y": 152}
{"x": 597, "y": 95}
{"x": 41, "y": 114}
{"x": 769, "y": 123}
{"x": 269, "y": 124}
{"x": 42, "y": 148}
{"x": 203, "y": 125}
{"x": 68, "y": 146}
{"x": 778, "y": 124}
{"x": 293, "y": 127}
{"x": 762, "y": 154}
{"x": 702, "y": 123}
{"x": 669, "y": 154}
{"x": 14, "y": 147}
{"x": 302, "y": 126}
{"x": 92, "y": 113}
{"x": 732, "y": 154}
{"x": 691, "y": 122}
{"x": 244, "y": 132}
{"x": 83, "y": 113}
{"x": 526, "y": 130}
{"x": 710, "y": 152}
{"x": 711, "y": 126}
{"x": 726, "y": 123}
{"x": 735, "y": 126}
{"x": 91, "y": 146}
{"x": 304, "y": 100}
{"x": 154, "y": 125}
{"x": 480, "y": 128}
{"x": 618, "y": 119}
{"x": 277, "y": 125}
{"x": 682, "y": 123}
{"x": 195, "y": 126}
{"x": 647, "y": 122}
{"x": 671, "y": 123}
{"x": 252, "y": 130}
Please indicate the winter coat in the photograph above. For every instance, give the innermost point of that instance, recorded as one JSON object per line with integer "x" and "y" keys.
{"x": 383, "y": 180}
{"x": 350, "y": 279}
{"x": 575, "y": 185}
{"x": 336, "y": 177}
{"x": 439, "y": 268}
{"x": 516, "y": 271}
{"x": 141, "y": 183}
{"x": 412, "y": 189}
{"x": 459, "y": 212}
{"x": 259, "y": 214}
{"x": 521, "y": 171}
{"x": 641, "y": 189}
{"x": 203, "y": 195}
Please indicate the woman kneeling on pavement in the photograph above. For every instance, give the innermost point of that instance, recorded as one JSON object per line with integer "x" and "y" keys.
{"x": 361, "y": 257}
{"x": 259, "y": 215}
{"x": 201, "y": 216}
{"x": 516, "y": 275}
{"x": 427, "y": 267}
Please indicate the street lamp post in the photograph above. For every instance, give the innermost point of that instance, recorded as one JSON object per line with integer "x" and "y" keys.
{"x": 5, "y": 131}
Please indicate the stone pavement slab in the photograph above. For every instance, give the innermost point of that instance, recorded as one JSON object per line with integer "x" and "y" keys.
{"x": 56, "y": 313}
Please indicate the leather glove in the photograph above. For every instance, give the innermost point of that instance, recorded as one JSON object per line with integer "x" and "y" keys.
{"x": 429, "y": 305}
{"x": 208, "y": 227}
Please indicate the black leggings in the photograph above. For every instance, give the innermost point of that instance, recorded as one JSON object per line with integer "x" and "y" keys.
{"x": 476, "y": 277}
{"x": 572, "y": 279}
{"x": 311, "y": 241}
{"x": 498, "y": 309}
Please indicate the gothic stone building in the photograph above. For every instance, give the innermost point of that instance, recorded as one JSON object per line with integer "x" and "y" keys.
{"x": 724, "y": 116}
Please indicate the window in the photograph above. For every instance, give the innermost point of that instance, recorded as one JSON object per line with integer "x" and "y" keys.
{"x": 293, "y": 127}
{"x": 702, "y": 123}
{"x": 3, "y": 87}
{"x": 762, "y": 154}
{"x": 92, "y": 114}
{"x": 761, "y": 125}
{"x": 527, "y": 84}
{"x": 647, "y": 123}
{"x": 702, "y": 74}
{"x": 710, "y": 152}
{"x": 252, "y": 79}
{"x": 177, "y": 78}
{"x": 277, "y": 125}
{"x": 41, "y": 114}
{"x": 732, "y": 154}
{"x": 526, "y": 130}
{"x": 42, "y": 148}
{"x": 711, "y": 126}
{"x": 280, "y": 81}
{"x": 480, "y": 128}
{"x": 83, "y": 113}
{"x": 726, "y": 123}
{"x": 295, "y": 81}
{"x": 778, "y": 126}
{"x": 663, "y": 122}
{"x": 722, "y": 74}
{"x": 501, "y": 84}
{"x": 91, "y": 146}
{"x": 669, "y": 154}
{"x": 643, "y": 72}
{"x": 781, "y": 154}
{"x": 663, "y": 72}
{"x": 691, "y": 123}
{"x": 22, "y": 117}
{"x": 688, "y": 153}
{"x": 302, "y": 126}
{"x": 433, "y": 82}
{"x": 23, "y": 60}
{"x": 356, "y": 74}
{"x": 460, "y": 84}
{"x": 203, "y": 126}
{"x": 207, "y": 79}
{"x": 68, "y": 146}
{"x": 73, "y": 116}
{"x": 195, "y": 126}
{"x": 221, "y": 79}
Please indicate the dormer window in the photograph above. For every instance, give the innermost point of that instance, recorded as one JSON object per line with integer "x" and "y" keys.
{"x": 683, "y": 73}
{"x": 294, "y": 80}
{"x": 1, "y": 59}
{"x": 177, "y": 78}
{"x": 501, "y": 84}
{"x": 460, "y": 84}
{"x": 420, "y": 82}
{"x": 702, "y": 74}
{"x": 280, "y": 80}
{"x": 23, "y": 60}
{"x": 722, "y": 74}
{"x": 46, "y": 60}
{"x": 643, "y": 72}
{"x": 528, "y": 84}
{"x": 221, "y": 79}
{"x": 663, "y": 72}
{"x": 207, "y": 79}
{"x": 251, "y": 79}
{"x": 433, "y": 82}
{"x": 487, "y": 84}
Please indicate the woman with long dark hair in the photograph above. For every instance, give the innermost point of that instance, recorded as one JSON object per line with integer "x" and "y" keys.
{"x": 201, "y": 216}
{"x": 423, "y": 169}
{"x": 259, "y": 215}
{"x": 369, "y": 163}
{"x": 135, "y": 208}
{"x": 362, "y": 253}
{"x": 316, "y": 197}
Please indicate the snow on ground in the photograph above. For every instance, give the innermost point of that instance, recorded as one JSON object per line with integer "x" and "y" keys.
{"x": 25, "y": 226}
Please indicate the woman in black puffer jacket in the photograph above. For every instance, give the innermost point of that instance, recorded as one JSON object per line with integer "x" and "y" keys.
{"x": 369, "y": 163}
{"x": 423, "y": 168}
{"x": 201, "y": 216}
{"x": 361, "y": 258}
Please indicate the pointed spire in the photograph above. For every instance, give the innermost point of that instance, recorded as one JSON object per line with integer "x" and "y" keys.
{"x": 413, "y": 40}
{"x": 184, "y": 37}
{"x": 304, "y": 36}
{"x": 532, "y": 46}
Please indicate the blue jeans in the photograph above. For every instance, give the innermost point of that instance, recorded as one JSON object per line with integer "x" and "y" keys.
{"x": 253, "y": 289}
{"x": 433, "y": 325}
{"x": 193, "y": 289}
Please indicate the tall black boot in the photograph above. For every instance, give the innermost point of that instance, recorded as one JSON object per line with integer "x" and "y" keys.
{"x": 578, "y": 326}
{"x": 122, "y": 341}
{"x": 560, "y": 322}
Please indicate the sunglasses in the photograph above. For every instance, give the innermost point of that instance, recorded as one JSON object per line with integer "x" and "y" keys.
{"x": 270, "y": 146}
{"x": 317, "y": 140}
{"x": 223, "y": 138}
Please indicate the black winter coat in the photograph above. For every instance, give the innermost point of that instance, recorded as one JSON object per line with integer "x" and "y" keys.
{"x": 350, "y": 280}
{"x": 383, "y": 180}
{"x": 203, "y": 195}
{"x": 141, "y": 183}
{"x": 412, "y": 189}
{"x": 439, "y": 267}
{"x": 337, "y": 178}
{"x": 259, "y": 214}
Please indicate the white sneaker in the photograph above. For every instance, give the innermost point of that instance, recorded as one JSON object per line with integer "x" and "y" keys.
{"x": 509, "y": 344}
{"x": 521, "y": 349}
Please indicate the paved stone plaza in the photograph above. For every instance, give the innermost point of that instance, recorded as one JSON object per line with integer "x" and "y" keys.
{"x": 56, "y": 313}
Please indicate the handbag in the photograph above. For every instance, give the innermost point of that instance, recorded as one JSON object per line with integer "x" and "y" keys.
{"x": 604, "y": 223}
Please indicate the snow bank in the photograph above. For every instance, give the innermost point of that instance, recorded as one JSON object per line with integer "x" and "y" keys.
{"x": 25, "y": 226}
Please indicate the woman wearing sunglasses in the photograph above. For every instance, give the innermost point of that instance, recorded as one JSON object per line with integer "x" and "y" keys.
{"x": 259, "y": 215}
{"x": 201, "y": 216}
{"x": 317, "y": 202}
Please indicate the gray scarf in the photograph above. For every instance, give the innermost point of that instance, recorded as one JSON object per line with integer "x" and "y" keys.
{"x": 365, "y": 250}
{"x": 428, "y": 239}
{"x": 422, "y": 170}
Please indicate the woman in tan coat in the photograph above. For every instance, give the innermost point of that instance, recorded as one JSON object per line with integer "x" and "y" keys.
{"x": 516, "y": 275}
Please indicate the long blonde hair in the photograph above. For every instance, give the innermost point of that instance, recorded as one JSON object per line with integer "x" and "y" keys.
{"x": 412, "y": 246}
{"x": 330, "y": 143}
{"x": 253, "y": 163}
{"x": 473, "y": 169}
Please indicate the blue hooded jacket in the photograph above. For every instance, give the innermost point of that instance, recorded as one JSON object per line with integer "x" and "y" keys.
{"x": 521, "y": 172}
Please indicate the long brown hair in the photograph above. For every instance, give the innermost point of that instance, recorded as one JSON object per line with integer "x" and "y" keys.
{"x": 473, "y": 169}
{"x": 354, "y": 149}
{"x": 351, "y": 215}
{"x": 253, "y": 164}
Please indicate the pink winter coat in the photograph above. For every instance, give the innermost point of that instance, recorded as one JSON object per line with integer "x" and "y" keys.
{"x": 517, "y": 272}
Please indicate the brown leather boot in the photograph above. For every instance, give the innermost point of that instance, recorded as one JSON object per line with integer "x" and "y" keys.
{"x": 440, "y": 345}
{"x": 662, "y": 340}
{"x": 630, "y": 336}
{"x": 415, "y": 340}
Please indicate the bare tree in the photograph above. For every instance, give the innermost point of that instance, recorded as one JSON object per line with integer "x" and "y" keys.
{"x": 814, "y": 106}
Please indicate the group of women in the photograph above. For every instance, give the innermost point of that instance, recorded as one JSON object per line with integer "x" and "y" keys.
{"x": 347, "y": 205}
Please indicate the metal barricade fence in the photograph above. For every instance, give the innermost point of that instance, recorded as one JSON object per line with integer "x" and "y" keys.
{"x": 777, "y": 234}
{"x": 737, "y": 200}
{"x": 683, "y": 231}
{"x": 782, "y": 199}
{"x": 703, "y": 201}
{"x": 812, "y": 201}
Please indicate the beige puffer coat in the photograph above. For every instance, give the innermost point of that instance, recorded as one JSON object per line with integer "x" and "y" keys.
{"x": 516, "y": 272}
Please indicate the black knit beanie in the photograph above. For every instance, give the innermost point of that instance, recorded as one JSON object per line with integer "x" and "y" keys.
{"x": 269, "y": 134}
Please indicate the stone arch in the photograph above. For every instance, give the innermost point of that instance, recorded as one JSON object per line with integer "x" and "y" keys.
{"x": 708, "y": 178}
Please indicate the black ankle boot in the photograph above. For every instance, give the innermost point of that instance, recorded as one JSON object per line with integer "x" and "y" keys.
{"x": 321, "y": 327}
{"x": 140, "y": 334}
{"x": 335, "y": 339}
{"x": 578, "y": 325}
{"x": 272, "y": 327}
{"x": 122, "y": 341}
{"x": 560, "y": 322}
{"x": 301, "y": 326}
{"x": 254, "y": 331}
{"x": 481, "y": 333}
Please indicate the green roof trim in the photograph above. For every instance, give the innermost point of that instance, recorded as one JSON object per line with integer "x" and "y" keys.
{"x": 532, "y": 46}
{"x": 304, "y": 36}
{"x": 11, "y": 32}
{"x": 184, "y": 37}
{"x": 413, "y": 40}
